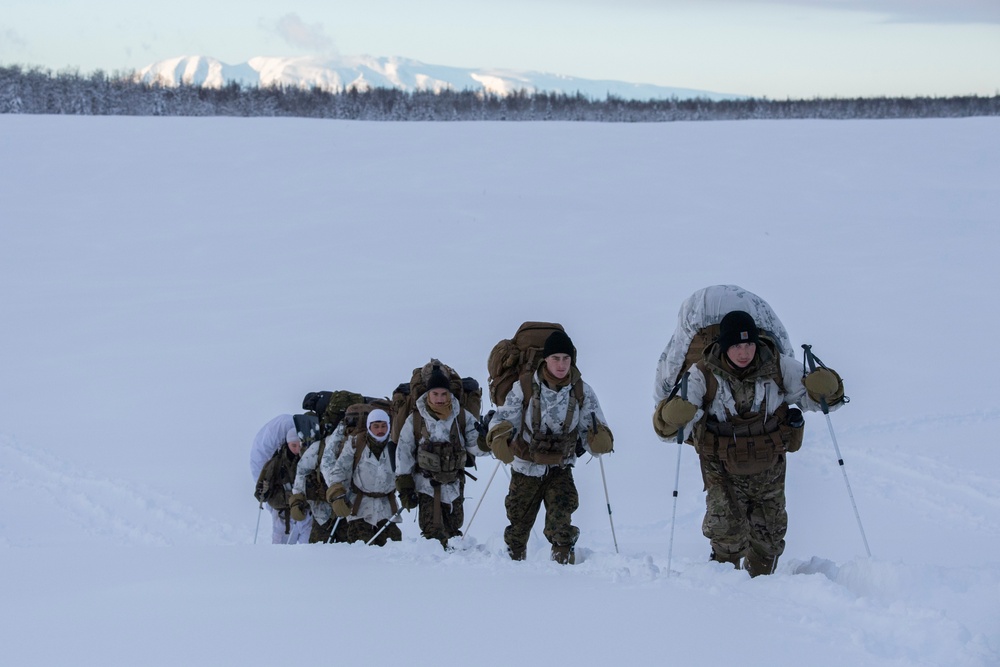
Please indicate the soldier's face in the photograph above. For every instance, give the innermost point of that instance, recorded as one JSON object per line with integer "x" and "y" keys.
{"x": 439, "y": 397}
{"x": 558, "y": 364}
{"x": 295, "y": 447}
{"x": 378, "y": 429}
{"x": 741, "y": 355}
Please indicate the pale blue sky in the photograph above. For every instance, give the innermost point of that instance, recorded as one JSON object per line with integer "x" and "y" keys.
{"x": 783, "y": 48}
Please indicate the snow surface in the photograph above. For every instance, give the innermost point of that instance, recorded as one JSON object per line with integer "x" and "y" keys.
{"x": 171, "y": 284}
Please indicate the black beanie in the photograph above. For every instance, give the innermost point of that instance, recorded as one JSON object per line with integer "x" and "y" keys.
{"x": 438, "y": 380}
{"x": 558, "y": 343}
{"x": 737, "y": 327}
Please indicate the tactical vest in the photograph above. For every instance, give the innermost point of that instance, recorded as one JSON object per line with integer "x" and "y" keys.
{"x": 750, "y": 442}
{"x": 442, "y": 462}
{"x": 546, "y": 448}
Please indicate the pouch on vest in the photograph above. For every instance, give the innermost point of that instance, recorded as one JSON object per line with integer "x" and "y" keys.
{"x": 441, "y": 461}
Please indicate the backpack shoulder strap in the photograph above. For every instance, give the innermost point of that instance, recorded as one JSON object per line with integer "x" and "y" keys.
{"x": 359, "y": 449}
{"x": 711, "y": 385}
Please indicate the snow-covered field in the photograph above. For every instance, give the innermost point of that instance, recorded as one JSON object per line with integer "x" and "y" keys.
{"x": 169, "y": 285}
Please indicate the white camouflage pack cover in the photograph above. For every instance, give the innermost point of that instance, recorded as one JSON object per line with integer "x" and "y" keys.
{"x": 707, "y": 307}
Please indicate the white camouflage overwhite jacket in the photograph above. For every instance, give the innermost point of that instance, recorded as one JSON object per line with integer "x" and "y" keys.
{"x": 371, "y": 475}
{"x": 554, "y": 407}
{"x": 439, "y": 431}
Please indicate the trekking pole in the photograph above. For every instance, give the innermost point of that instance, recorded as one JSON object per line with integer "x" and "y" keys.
{"x": 604, "y": 480}
{"x": 677, "y": 472}
{"x": 257, "y": 529}
{"x": 382, "y": 529}
{"x": 813, "y": 360}
{"x": 481, "y": 496}
{"x": 333, "y": 531}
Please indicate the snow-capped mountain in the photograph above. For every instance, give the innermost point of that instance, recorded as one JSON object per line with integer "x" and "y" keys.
{"x": 363, "y": 72}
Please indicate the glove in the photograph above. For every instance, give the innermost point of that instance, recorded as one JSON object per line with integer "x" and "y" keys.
{"x": 498, "y": 440}
{"x": 677, "y": 411}
{"x": 298, "y": 506}
{"x": 662, "y": 428}
{"x": 407, "y": 491}
{"x": 824, "y": 383}
{"x": 341, "y": 508}
{"x": 601, "y": 440}
{"x": 334, "y": 492}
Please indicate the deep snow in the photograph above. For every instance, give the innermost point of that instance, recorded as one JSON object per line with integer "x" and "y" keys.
{"x": 170, "y": 284}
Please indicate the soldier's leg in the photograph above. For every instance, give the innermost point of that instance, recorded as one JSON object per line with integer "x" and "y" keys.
{"x": 320, "y": 531}
{"x": 724, "y": 524}
{"x": 359, "y": 530}
{"x": 561, "y": 500}
{"x": 454, "y": 517}
{"x": 523, "y": 500}
{"x": 278, "y": 534}
{"x": 768, "y": 520}
{"x": 425, "y": 518}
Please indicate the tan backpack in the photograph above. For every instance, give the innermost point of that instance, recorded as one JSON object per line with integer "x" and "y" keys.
{"x": 512, "y": 358}
{"x": 404, "y": 398}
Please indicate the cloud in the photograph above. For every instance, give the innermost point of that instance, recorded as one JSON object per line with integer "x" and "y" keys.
{"x": 899, "y": 11}
{"x": 298, "y": 34}
{"x": 10, "y": 40}
{"x": 913, "y": 11}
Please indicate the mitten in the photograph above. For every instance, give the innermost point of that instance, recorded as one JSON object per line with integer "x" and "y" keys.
{"x": 601, "y": 440}
{"x": 677, "y": 411}
{"x": 824, "y": 383}
{"x": 334, "y": 492}
{"x": 298, "y": 507}
{"x": 341, "y": 508}
{"x": 498, "y": 440}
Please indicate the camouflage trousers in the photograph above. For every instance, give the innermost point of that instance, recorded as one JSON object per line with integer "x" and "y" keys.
{"x": 525, "y": 497}
{"x": 452, "y": 518}
{"x": 360, "y": 530}
{"x": 321, "y": 531}
{"x": 744, "y": 513}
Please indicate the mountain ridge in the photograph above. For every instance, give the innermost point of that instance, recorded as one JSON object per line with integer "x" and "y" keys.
{"x": 340, "y": 73}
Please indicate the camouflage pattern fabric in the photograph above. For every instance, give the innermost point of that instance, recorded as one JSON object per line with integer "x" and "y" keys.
{"x": 452, "y": 518}
{"x": 362, "y": 531}
{"x": 744, "y": 512}
{"x": 527, "y": 493}
{"x": 321, "y": 531}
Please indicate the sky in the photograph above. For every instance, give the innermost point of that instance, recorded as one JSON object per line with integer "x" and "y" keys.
{"x": 778, "y": 49}
{"x": 169, "y": 285}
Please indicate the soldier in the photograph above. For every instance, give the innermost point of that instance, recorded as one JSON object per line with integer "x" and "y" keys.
{"x": 304, "y": 501}
{"x": 430, "y": 458}
{"x": 272, "y": 440}
{"x": 362, "y": 483}
{"x": 540, "y": 428}
{"x": 737, "y": 404}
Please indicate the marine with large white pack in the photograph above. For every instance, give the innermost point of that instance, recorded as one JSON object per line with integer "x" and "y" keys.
{"x": 725, "y": 383}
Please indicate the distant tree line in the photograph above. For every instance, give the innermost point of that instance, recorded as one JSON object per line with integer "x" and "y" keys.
{"x": 38, "y": 91}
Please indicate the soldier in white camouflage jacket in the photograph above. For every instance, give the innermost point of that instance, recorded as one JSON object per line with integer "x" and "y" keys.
{"x": 546, "y": 421}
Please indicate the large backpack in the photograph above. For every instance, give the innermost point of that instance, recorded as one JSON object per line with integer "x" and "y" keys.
{"x": 330, "y": 407}
{"x": 514, "y": 361}
{"x": 512, "y": 358}
{"x": 404, "y": 398}
{"x": 278, "y": 472}
{"x": 444, "y": 462}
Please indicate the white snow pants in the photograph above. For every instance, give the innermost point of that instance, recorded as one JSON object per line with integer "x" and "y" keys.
{"x": 298, "y": 534}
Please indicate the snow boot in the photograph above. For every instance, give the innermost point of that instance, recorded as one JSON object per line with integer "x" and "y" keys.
{"x": 757, "y": 565}
{"x": 516, "y": 554}
{"x": 733, "y": 560}
{"x": 564, "y": 555}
